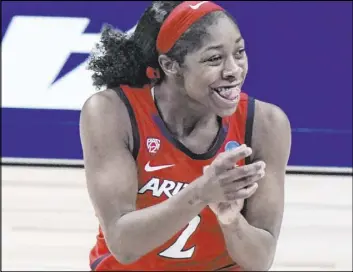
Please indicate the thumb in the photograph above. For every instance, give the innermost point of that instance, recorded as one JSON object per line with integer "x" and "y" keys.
{"x": 219, "y": 208}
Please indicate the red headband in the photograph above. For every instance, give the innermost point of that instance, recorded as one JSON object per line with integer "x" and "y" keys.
{"x": 177, "y": 22}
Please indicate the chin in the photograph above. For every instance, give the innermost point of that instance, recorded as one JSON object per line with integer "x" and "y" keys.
{"x": 226, "y": 112}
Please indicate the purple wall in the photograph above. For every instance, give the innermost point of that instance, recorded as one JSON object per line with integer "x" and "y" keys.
{"x": 300, "y": 58}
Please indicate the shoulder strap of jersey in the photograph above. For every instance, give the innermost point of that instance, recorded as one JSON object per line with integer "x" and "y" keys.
{"x": 250, "y": 111}
{"x": 249, "y": 124}
{"x": 135, "y": 133}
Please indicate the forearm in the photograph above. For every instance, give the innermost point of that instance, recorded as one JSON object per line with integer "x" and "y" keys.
{"x": 251, "y": 248}
{"x": 141, "y": 231}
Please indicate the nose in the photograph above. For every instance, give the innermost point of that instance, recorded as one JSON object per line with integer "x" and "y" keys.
{"x": 231, "y": 69}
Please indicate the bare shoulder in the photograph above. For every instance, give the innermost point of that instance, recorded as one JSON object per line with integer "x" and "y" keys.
{"x": 270, "y": 115}
{"x": 104, "y": 104}
{"x": 105, "y": 112}
{"x": 271, "y": 130}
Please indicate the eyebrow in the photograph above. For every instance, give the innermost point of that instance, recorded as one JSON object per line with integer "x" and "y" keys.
{"x": 220, "y": 45}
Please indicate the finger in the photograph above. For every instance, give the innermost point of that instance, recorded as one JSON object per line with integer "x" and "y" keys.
{"x": 247, "y": 191}
{"x": 241, "y": 172}
{"x": 243, "y": 193}
{"x": 227, "y": 160}
{"x": 235, "y": 185}
{"x": 252, "y": 169}
{"x": 244, "y": 182}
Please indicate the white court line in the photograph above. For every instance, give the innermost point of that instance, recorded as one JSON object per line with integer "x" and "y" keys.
{"x": 69, "y": 162}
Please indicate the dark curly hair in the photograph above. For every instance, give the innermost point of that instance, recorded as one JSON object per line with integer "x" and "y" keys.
{"x": 120, "y": 58}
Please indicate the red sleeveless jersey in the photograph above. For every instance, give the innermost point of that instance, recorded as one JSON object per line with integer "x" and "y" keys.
{"x": 165, "y": 167}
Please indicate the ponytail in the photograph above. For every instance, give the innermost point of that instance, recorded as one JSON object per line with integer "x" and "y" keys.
{"x": 116, "y": 60}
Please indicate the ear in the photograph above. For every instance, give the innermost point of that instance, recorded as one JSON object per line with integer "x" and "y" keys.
{"x": 170, "y": 67}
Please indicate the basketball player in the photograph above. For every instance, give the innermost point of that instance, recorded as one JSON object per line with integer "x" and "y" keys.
{"x": 175, "y": 154}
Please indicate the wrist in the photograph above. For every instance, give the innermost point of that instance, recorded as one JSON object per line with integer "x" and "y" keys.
{"x": 228, "y": 215}
{"x": 198, "y": 196}
{"x": 228, "y": 220}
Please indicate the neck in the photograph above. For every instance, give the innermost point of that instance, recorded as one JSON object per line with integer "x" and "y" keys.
{"x": 181, "y": 115}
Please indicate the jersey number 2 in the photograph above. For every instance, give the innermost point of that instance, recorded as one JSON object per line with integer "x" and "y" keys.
{"x": 176, "y": 251}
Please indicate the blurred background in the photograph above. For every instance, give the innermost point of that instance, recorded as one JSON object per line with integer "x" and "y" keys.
{"x": 300, "y": 58}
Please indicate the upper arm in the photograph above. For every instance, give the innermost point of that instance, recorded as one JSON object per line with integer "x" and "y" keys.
{"x": 109, "y": 165}
{"x": 271, "y": 143}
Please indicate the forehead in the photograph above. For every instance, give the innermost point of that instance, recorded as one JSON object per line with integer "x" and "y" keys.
{"x": 222, "y": 31}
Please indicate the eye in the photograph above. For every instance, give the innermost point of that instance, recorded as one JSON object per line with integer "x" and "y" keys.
{"x": 214, "y": 59}
{"x": 240, "y": 53}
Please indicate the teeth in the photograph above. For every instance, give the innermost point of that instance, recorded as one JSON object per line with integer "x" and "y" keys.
{"x": 221, "y": 89}
{"x": 226, "y": 92}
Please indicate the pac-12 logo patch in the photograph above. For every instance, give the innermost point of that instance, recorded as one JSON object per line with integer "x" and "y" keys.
{"x": 153, "y": 145}
{"x": 231, "y": 145}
